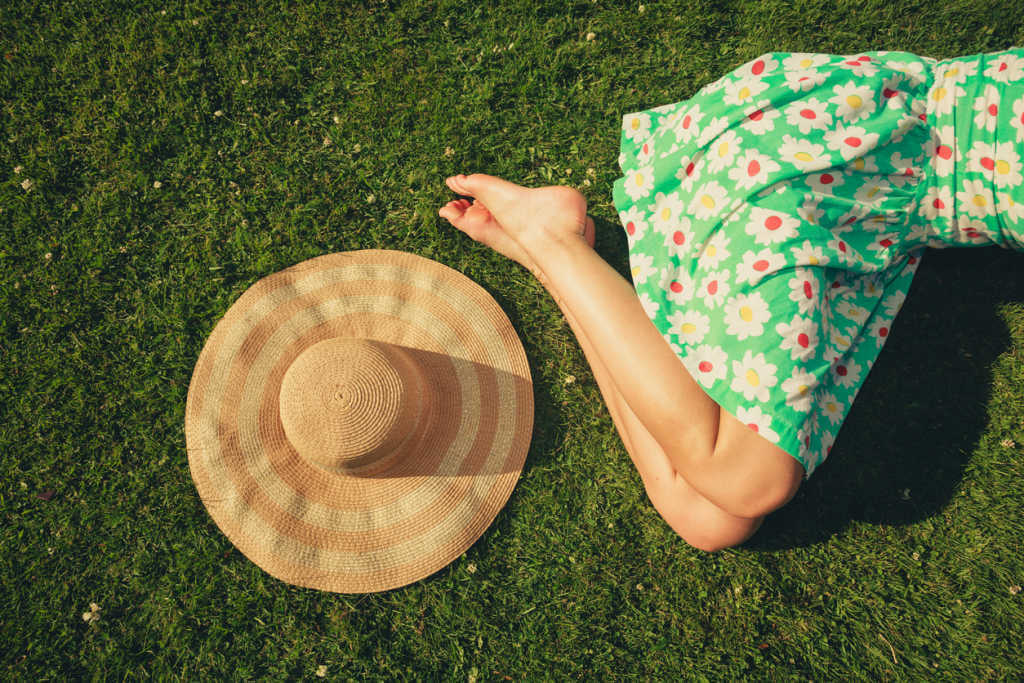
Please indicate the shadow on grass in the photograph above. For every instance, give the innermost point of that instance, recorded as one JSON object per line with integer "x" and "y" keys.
{"x": 902, "y": 451}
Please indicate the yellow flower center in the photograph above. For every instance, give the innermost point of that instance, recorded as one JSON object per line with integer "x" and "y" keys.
{"x": 938, "y": 94}
{"x": 708, "y": 203}
{"x": 858, "y": 164}
{"x": 744, "y": 92}
{"x": 979, "y": 200}
{"x": 831, "y": 407}
{"x": 723, "y": 149}
{"x": 854, "y": 101}
{"x": 813, "y": 260}
{"x": 872, "y": 192}
{"x": 802, "y": 390}
{"x": 806, "y": 63}
{"x": 635, "y": 124}
{"x": 687, "y": 328}
{"x": 746, "y": 314}
{"x": 1002, "y": 167}
{"x": 752, "y": 378}
{"x": 711, "y": 251}
{"x": 666, "y": 213}
{"x": 639, "y": 179}
{"x": 803, "y": 156}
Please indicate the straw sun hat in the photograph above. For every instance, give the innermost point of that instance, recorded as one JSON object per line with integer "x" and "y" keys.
{"x": 355, "y": 422}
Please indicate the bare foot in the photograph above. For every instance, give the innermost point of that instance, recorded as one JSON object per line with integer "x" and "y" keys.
{"x": 510, "y": 218}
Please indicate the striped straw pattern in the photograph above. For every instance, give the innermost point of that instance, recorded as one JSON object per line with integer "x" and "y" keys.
{"x": 407, "y": 408}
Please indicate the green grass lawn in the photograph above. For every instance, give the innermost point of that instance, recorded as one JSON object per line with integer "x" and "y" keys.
{"x": 176, "y": 153}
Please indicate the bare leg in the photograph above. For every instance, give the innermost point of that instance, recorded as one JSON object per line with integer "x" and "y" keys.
{"x": 746, "y": 477}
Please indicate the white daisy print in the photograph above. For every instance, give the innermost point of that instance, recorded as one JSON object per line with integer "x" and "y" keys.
{"x": 743, "y": 91}
{"x": 892, "y": 96}
{"x": 714, "y": 288}
{"x": 802, "y": 61}
{"x": 688, "y": 125}
{"x": 679, "y": 240}
{"x": 758, "y": 420}
{"x": 1006, "y": 69}
{"x": 678, "y": 285}
{"x": 690, "y": 169}
{"x": 942, "y": 96}
{"x": 753, "y": 377}
{"x": 641, "y": 267}
{"x": 799, "y": 388}
{"x": 846, "y": 373}
{"x": 842, "y": 250}
{"x": 904, "y": 168}
{"x": 1018, "y": 118}
{"x": 709, "y": 200}
{"x": 804, "y": 289}
{"x": 707, "y": 364}
{"x": 639, "y": 183}
{"x": 760, "y": 118}
{"x": 973, "y": 231}
{"x": 860, "y": 66}
{"x": 799, "y": 337}
{"x": 644, "y": 154}
{"x": 752, "y": 168}
{"x": 722, "y": 151}
{"x": 942, "y": 150}
{"x": 853, "y": 102}
{"x": 865, "y": 164}
{"x": 690, "y": 326}
{"x": 881, "y": 246}
{"x": 850, "y": 141}
{"x": 937, "y": 201}
{"x": 809, "y": 254}
{"x": 714, "y": 251}
{"x": 633, "y": 221}
{"x": 805, "y": 80}
{"x": 756, "y": 68}
{"x": 879, "y": 330}
{"x": 1000, "y": 162}
{"x": 987, "y": 107}
{"x": 808, "y": 115}
{"x": 804, "y": 154}
{"x": 1010, "y": 208}
{"x": 830, "y": 407}
{"x": 851, "y": 311}
{"x": 873, "y": 191}
{"x": 770, "y": 227}
{"x": 975, "y": 199}
{"x": 745, "y": 315}
{"x": 668, "y": 209}
{"x": 649, "y": 305}
{"x": 893, "y": 303}
{"x": 957, "y": 72}
{"x": 712, "y": 130}
{"x": 636, "y": 126}
{"x": 825, "y": 183}
{"x": 755, "y": 266}
{"x": 809, "y": 211}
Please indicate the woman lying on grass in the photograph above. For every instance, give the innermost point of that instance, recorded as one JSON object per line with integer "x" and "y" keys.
{"x": 775, "y": 222}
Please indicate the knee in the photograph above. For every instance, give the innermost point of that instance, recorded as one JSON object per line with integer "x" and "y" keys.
{"x": 699, "y": 522}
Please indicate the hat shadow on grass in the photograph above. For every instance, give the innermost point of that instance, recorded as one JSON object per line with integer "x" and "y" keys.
{"x": 901, "y": 453}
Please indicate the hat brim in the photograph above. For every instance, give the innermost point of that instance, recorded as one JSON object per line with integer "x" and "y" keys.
{"x": 374, "y": 530}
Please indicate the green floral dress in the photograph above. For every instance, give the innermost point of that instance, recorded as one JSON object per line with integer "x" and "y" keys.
{"x": 776, "y": 219}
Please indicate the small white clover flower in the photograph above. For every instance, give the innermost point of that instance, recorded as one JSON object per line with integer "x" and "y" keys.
{"x": 1014, "y": 590}
{"x": 370, "y": 198}
{"x": 327, "y": 141}
{"x": 569, "y": 379}
{"x": 26, "y": 184}
{"x": 337, "y": 119}
{"x": 591, "y": 35}
{"x": 321, "y": 671}
{"x": 471, "y": 568}
{"x": 17, "y": 169}
{"x": 641, "y": 9}
{"x": 157, "y": 184}
{"x": 1007, "y": 443}
{"x": 357, "y": 148}
{"x": 92, "y": 615}
{"x": 218, "y": 113}
{"x": 449, "y": 152}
